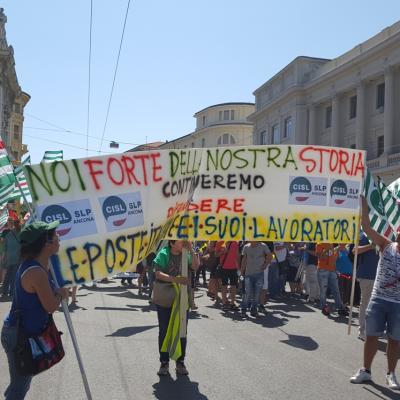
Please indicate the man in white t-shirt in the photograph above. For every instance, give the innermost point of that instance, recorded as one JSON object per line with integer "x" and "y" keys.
{"x": 383, "y": 312}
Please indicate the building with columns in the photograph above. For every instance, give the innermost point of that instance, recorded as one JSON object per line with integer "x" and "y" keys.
{"x": 12, "y": 98}
{"x": 351, "y": 101}
{"x": 218, "y": 125}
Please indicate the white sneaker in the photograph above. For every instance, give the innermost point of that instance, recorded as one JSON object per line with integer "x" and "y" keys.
{"x": 361, "y": 376}
{"x": 392, "y": 382}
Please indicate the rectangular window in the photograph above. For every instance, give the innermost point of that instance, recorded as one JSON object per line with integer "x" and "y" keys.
{"x": 204, "y": 120}
{"x": 220, "y": 116}
{"x": 16, "y": 132}
{"x": 232, "y": 115}
{"x": 225, "y": 139}
{"x": 276, "y": 137}
{"x": 328, "y": 117}
{"x": 353, "y": 146}
{"x": 288, "y": 127}
{"x": 353, "y": 107}
{"x": 226, "y": 115}
{"x": 203, "y": 142}
{"x": 380, "y": 95}
{"x": 192, "y": 145}
{"x": 381, "y": 145}
{"x": 263, "y": 137}
{"x": 17, "y": 108}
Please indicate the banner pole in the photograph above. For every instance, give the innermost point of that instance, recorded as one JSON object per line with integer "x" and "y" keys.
{"x": 66, "y": 314}
{"x": 184, "y": 295}
{"x": 353, "y": 280}
{"x": 73, "y": 338}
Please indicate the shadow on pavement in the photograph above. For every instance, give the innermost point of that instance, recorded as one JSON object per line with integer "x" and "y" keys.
{"x": 74, "y": 307}
{"x": 115, "y": 309}
{"x": 104, "y": 289}
{"x": 131, "y": 330}
{"x": 181, "y": 388}
{"x": 390, "y": 394}
{"x": 301, "y": 342}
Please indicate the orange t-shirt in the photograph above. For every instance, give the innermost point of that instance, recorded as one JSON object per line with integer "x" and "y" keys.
{"x": 327, "y": 261}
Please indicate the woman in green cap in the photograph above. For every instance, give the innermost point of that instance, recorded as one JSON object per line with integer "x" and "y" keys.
{"x": 36, "y": 296}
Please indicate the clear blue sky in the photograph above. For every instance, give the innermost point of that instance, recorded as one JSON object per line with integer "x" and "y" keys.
{"x": 178, "y": 57}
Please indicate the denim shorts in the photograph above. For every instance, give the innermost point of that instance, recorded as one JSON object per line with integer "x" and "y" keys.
{"x": 383, "y": 315}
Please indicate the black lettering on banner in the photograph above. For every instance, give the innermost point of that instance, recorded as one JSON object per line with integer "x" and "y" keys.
{"x": 92, "y": 257}
{"x": 109, "y": 249}
{"x": 121, "y": 249}
{"x": 73, "y": 266}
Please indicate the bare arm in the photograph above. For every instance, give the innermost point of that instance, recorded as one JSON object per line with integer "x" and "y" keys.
{"x": 36, "y": 281}
{"x": 363, "y": 249}
{"x": 377, "y": 238}
{"x": 268, "y": 259}
{"x": 162, "y": 276}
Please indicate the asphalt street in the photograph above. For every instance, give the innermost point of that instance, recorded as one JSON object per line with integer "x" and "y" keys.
{"x": 293, "y": 352}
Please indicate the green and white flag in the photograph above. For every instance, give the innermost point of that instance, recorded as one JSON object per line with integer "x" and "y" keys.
{"x": 377, "y": 214}
{"x": 22, "y": 182}
{"x": 390, "y": 205}
{"x": 394, "y": 187}
{"x": 51, "y": 156}
{"x": 7, "y": 177}
{"x": 3, "y": 217}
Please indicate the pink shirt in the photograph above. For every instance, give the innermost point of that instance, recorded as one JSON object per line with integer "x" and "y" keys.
{"x": 229, "y": 260}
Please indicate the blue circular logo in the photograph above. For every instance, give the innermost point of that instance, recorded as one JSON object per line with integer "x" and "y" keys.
{"x": 58, "y": 213}
{"x": 115, "y": 210}
{"x": 339, "y": 192}
{"x": 300, "y": 188}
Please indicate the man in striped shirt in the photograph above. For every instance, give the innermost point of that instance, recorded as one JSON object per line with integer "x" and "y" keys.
{"x": 383, "y": 312}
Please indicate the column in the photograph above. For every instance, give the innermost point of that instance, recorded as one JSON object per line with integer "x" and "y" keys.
{"x": 299, "y": 125}
{"x": 361, "y": 133}
{"x": 335, "y": 133}
{"x": 388, "y": 124}
{"x": 312, "y": 130}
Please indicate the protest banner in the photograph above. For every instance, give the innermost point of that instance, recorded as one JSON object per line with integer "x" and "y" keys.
{"x": 113, "y": 210}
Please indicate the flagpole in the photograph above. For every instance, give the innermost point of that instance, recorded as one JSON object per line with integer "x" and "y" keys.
{"x": 66, "y": 312}
{"x": 357, "y": 240}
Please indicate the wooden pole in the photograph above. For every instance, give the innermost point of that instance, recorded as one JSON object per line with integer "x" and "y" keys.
{"x": 353, "y": 280}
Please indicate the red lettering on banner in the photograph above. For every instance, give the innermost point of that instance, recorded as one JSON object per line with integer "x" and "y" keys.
{"x": 222, "y": 204}
{"x": 332, "y": 160}
{"x": 111, "y": 174}
{"x": 92, "y": 172}
{"x": 156, "y": 167}
{"x": 139, "y": 169}
{"x": 238, "y": 205}
{"x": 129, "y": 164}
{"x": 143, "y": 158}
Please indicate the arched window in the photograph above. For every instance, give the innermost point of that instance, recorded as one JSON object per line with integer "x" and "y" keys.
{"x": 226, "y": 139}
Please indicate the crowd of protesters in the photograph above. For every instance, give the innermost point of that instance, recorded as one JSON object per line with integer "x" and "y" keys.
{"x": 243, "y": 277}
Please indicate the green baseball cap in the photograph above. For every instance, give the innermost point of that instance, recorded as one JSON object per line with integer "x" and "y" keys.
{"x": 32, "y": 232}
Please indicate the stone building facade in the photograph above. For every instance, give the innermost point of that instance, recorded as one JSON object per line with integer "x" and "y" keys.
{"x": 218, "y": 125}
{"x": 350, "y": 101}
{"x": 12, "y": 99}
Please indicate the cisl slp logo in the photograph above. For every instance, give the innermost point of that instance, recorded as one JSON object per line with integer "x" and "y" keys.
{"x": 123, "y": 211}
{"x": 344, "y": 193}
{"x": 309, "y": 191}
{"x": 76, "y": 218}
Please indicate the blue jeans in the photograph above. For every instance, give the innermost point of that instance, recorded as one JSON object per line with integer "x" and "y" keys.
{"x": 19, "y": 384}
{"x": 253, "y": 284}
{"x": 273, "y": 280}
{"x": 383, "y": 315}
{"x": 329, "y": 279}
